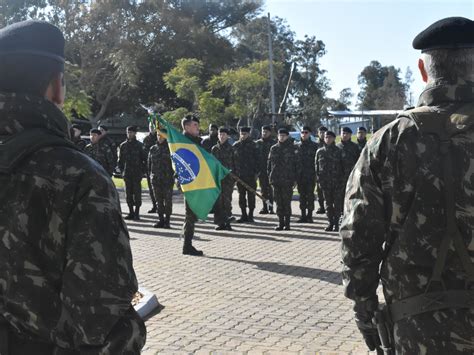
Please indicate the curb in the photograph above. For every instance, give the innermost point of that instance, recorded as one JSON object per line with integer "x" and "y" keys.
{"x": 147, "y": 304}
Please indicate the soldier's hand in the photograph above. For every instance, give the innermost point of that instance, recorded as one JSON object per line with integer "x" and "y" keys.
{"x": 364, "y": 312}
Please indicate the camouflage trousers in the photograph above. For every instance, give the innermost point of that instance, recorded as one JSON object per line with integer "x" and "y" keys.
{"x": 133, "y": 190}
{"x": 283, "y": 196}
{"x": 332, "y": 201}
{"x": 306, "y": 191}
{"x": 190, "y": 220}
{"x": 245, "y": 195}
{"x": 447, "y": 331}
{"x": 265, "y": 187}
{"x": 223, "y": 205}
{"x": 150, "y": 189}
{"x": 163, "y": 192}
{"x": 320, "y": 195}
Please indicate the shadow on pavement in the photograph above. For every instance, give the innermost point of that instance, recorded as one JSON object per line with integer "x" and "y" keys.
{"x": 162, "y": 233}
{"x": 291, "y": 270}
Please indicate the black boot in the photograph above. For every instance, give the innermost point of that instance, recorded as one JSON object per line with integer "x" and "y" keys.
{"x": 228, "y": 227}
{"x": 244, "y": 217}
{"x": 136, "y": 216}
{"x": 264, "y": 209}
{"x": 287, "y": 223}
{"x": 303, "y": 217}
{"x": 330, "y": 225}
{"x": 188, "y": 248}
{"x": 167, "y": 221}
{"x": 250, "y": 218}
{"x": 309, "y": 216}
{"x": 131, "y": 214}
{"x": 336, "y": 225}
{"x": 270, "y": 209}
{"x": 153, "y": 210}
{"x": 281, "y": 223}
{"x": 220, "y": 227}
{"x": 160, "y": 223}
{"x": 321, "y": 209}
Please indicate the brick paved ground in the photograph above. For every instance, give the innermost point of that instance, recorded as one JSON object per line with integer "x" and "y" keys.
{"x": 256, "y": 290}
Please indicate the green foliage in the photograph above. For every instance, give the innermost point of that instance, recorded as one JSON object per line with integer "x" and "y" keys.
{"x": 186, "y": 79}
{"x": 175, "y": 116}
{"x": 78, "y": 102}
{"x": 211, "y": 109}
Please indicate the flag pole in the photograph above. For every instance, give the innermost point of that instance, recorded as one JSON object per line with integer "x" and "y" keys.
{"x": 252, "y": 190}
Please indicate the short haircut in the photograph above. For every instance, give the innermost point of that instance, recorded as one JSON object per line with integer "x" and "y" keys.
{"x": 449, "y": 64}
{"x": 188, "y": 119}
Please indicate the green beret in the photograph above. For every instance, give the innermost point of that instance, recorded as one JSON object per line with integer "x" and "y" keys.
{"x": 450, "y": 32}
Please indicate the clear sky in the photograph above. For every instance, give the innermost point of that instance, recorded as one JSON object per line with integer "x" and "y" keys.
{"x": 356, "y": 32}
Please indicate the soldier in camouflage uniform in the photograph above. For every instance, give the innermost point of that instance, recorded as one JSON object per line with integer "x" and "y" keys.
{"x": 162, "y": 178}
{"x": 76, "y": 137}
{"x": 330, "y": 176}
{"x": 264, "y": 144}
{"x": 246, "y": 162}
{"x": 350, "y": 154}
{"x": 100, "y": 152}
{"x": 409, "y": 217}
{"x": 321, "y": 131}
{"x": 105, "y": 139}
{"x": 211, "y": 140}
{"x": 149, "y": 141}
{"x": 361, "y": 137}
{"x": 224, "y": 152}
{"x": 307, "y": 176}
{"x": 283, "y": 169}
{"x": 190, "y": 125}
{"x": 132, "y": 162}
{"x": 66, "y": 276}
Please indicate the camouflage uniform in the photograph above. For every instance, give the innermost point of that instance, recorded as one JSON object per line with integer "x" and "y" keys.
{"x": 102, "y": 154}
{"x": 307, "y": 176}
{"x": 223, "y": 208}
{"x": 149, "y": 141}
{"x": 321, "y": 144}
{"x": 209, "y": 142}
{"x": 330, "y": 175}
{"x": 350, "y": 154}
{"x": 67, "y": 278}
{"x": 264, "y": 146}
{"x": 246, "y": 162}
{"x": 283, "y": 169}
{"x": 162, "y": 178}
{"x": 113, "y": 146}
{"x": 396, "y": 195}
{"x": 361, "y": 143}
{"x": 131, "y": 163}
{"x": 79, "y": 142}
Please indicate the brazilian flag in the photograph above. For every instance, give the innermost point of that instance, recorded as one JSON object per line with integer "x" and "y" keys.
{"x": 199, "y": 173}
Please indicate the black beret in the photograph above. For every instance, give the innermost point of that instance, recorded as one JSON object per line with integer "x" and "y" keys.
{"x": 307, "y": 128}
{"x": 322, "y": 129}
{"x": 32, "y": 38}
{"x": 95, "y": 130}
{"x": 346, "y": 130}
{"x": 212, "y": 126}
{"x": 283, "y": 131}
{"x": 362, "y": 128}
{"x": 105, "y": 128}
{"x": 76, "y": 126}
{"x": 331, "y": 133}
{"x": 450, "y": 32}
{"x": 224, "y": 130}
{"x": 132, "y": 129}
{"x": 266, "y": 128}
{"x": 244, "y": 129}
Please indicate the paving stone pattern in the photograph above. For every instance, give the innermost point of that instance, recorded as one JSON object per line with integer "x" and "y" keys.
{"x": 256, "y": 290}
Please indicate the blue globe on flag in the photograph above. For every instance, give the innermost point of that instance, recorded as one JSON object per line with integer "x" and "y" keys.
{"x": 186, "y": 164}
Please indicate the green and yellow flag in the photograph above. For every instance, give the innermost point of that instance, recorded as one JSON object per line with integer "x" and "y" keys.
{"x": 199, "y": 173}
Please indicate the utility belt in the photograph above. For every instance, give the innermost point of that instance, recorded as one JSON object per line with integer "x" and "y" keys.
{"x": 12, "y": 344}
{"x": 387, "y": 315}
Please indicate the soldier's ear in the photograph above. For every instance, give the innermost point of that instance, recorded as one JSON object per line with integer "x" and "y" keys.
{"x": 56, "y": 90}
{"x": 421, "y": 66}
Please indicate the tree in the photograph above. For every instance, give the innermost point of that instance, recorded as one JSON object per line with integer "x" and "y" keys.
{"x": 381, "y": 88}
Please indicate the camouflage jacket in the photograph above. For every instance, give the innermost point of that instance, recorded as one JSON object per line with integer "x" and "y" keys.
{"x": 113, "y": 146}
{"x": 361, "y": 143}
{"x": 79, "y": 142}
{"x": 283, "y": 167}
{"x": 329, "y": 166}
{"x": 149, "y": 141}
{"x": 350, "y": 154}
{"x": 159, "y": 164}
{"x": 101, "y": 153}
{"x": 246, "y": 158}
{"x": 209, "y": 142}
{"x": 264, "y": 146}
{"x": 66, "y": 274}
{"x": 225, "y": 154}
{"x": 131, "y": 160}
{"x": 307, "y": 153}
{"x": 395, "y": 195}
